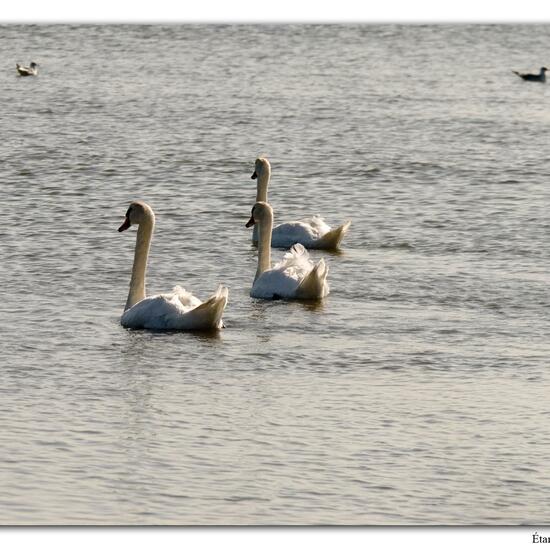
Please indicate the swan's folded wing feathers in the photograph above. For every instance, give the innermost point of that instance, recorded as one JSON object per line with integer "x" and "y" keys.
{"x": 296, "y": 262}
{"x": 314, "y": 286}
{"x": 177, "y": 310}
{"x": 307, "y": 232}
{"x": 285, "y": 276}
{"x": 318, "y": 226}
{"x": 275, "y": 282}
{"x": 155, "y": 312}
{"x": 209, "y": 313}
{"x": 187, "y": 300}
{"x": 289, "y": 233}
{"x": 331, "y": 239}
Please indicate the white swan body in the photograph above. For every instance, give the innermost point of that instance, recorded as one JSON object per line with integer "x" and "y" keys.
{"x": 176, "y": 310}
{"x": 285, "y": 279}
{"x": 295, "y": 277}
{"x": 312, "y": 232}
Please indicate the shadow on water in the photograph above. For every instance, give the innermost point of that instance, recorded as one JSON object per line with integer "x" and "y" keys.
{"x": 139, "y": 340}
{"x": 311, "y": 305}
{"x": 335, "y": 252}
{"x": 260, "y": 306}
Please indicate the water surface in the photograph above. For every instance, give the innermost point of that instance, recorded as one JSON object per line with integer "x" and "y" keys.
{"x": 416, "y": 393}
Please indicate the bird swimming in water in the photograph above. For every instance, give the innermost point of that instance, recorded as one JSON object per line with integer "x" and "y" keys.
{"x": 31, "y": 70}
{"x": 541, "y": 77}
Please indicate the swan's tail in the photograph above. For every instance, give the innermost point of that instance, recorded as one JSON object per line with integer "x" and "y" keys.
{"x": 314, "y": 286}
{"x": 332, "y": 239}
{"x": 209, "y": 313}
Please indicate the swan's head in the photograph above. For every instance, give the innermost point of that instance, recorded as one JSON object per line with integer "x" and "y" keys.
{"x": 137, "y": 213}
{"x": 543, "y": 69}
{"x": 260, "y": 211}
{"x": 261, "y": 166}
{"x": 33, "y": 65}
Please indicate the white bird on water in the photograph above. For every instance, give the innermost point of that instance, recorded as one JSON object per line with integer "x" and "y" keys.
{"x": 311, "y": 233}
{"x": 296, "y": 277}
{"x": 176, "y": 310}
{"x": 31, "y": 70}
{"x": 541, "y": 77}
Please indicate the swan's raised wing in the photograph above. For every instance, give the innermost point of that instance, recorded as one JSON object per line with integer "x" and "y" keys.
{"x": 314, "y": 285}
{"x": 296, "y": 262}
{"x": 332, "y": 239}
{"x": 208, "y": 315}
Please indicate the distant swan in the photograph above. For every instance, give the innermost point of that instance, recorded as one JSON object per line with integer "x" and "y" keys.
{"x": 541, "y": 77}
{"x": 312, "y": 233}
{"x": 176, "y": 310}
{"x": 31, "y": 70}
{"x": 295, "y": 277}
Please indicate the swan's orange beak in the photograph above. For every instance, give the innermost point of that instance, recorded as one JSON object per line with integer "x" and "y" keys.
{"x": 254, "y": 175}
{"x": 125, "y": 224}
{"x": 250, "y": 222}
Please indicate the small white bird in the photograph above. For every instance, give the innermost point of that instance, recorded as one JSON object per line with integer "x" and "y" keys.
{"x": 31, "y": 70}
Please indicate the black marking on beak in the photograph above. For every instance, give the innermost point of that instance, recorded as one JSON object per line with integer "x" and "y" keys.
{"x": 125, "y": 224}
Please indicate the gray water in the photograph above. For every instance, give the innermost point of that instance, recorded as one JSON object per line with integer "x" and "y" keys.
{"x": 415, "y": 393}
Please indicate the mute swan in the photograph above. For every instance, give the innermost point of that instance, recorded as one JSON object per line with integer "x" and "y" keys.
{"x": 541, "y": 77}
{"x": 176, "y": 310}
{"x": 312, "y": 233}
{"x": 295, "y": 277}
{"x": 32, "y": 70}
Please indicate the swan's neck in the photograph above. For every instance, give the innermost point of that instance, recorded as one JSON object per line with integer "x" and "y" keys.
{"x": 264, "y": 245}
{"x": 263, "y": 182}
{"x": 143, "y": 243}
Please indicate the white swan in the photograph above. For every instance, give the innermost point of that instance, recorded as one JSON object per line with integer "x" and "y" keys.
{"x": 295, "y": 277}
{"x": 312, "y": 232}
{"x": 176, "y": 310}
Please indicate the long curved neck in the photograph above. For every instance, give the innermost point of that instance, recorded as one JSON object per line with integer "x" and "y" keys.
{"x": 143, "y": 243}
{"x": 264, "y": 245}
{"x": 263, "y": 182}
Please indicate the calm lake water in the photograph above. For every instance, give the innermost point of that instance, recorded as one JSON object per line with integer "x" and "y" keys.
{"x": 416, "y": 393}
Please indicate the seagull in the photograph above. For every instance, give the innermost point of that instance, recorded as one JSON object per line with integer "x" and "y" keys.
{"x": 32, "y": 70}
{"x": 541, "y": 77}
